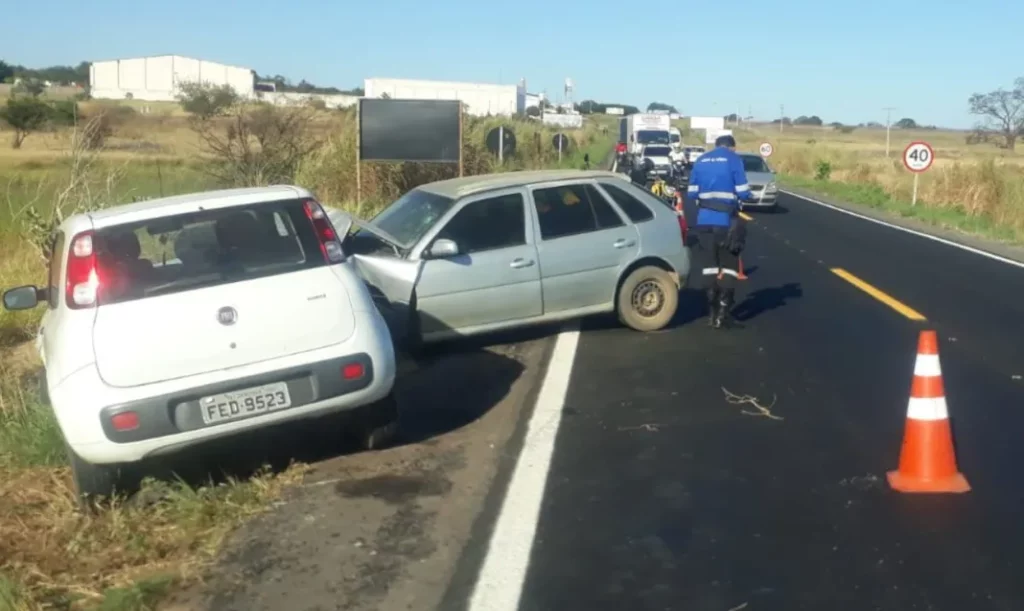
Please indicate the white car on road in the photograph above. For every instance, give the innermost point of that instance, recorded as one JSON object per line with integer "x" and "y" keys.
{"x": 180, "y": 320}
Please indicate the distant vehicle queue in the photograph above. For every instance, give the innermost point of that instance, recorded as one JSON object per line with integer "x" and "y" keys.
{"x": 648, "y": 142}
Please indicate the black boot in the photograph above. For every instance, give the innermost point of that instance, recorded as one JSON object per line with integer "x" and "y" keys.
{"x": 724, "y": 318}
{"x": 713, "y": 304}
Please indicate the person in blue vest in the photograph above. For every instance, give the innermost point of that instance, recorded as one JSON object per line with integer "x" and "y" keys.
{"x": 718, "y": 183}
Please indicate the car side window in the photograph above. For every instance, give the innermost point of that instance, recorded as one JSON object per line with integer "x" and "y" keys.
{"x": 573, "y": 209}
{"x": 56, "y": 261}
{"x": 606, "y": 215}
{"x": 488, "y": 224}
{"x": 635, "y": 209}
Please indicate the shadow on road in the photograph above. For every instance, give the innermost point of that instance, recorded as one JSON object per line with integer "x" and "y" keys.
{"x": 764, "y": 300}
{"x": 440, "y": 393}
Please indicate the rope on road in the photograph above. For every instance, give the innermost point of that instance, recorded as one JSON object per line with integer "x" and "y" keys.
{"x": 762, "y": 410}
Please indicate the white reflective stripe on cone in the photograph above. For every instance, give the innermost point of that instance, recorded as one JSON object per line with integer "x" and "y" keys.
{"x": 927, "y": 409}
{"x": 730, "y": 272}
{"x": 927, "y": 366}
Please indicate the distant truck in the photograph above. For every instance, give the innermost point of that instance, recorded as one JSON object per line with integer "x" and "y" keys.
{"x": 641, "y": 129}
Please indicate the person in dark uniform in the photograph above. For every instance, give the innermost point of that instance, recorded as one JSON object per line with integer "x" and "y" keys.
{"x": 718, "y": 183}
{"x": 638, "y": 175}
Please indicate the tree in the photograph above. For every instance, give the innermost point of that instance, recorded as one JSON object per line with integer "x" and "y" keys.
{"x": 814, "y": 120}
{"x": 257, "y": 144}
{"x": 6, "y": 71}
{"x": 533, "y": 111}
{"x": 25, "y": 115}
{"x": 31, "y": 87}
{"x": 1002, "y": 111}
{"x": 653, "y": 106}
{"x": 905, "y": 123}
{"x": 731, "y": 118}
{"x": 206, "y": 101}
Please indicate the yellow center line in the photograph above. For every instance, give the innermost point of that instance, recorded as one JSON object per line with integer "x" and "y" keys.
{"x": 893, "y": 303}
{"x": 746, "y": 217}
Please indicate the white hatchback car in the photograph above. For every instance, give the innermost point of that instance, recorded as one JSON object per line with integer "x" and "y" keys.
{"x": 178, "y": 320}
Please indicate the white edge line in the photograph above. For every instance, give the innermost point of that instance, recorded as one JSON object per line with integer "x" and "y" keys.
{"x": 499, "y": 584}
{"x": 922, "y": 234}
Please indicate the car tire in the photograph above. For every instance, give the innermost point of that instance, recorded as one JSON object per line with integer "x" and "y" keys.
{"x": 378, "y": 424}
{"x": 92, "y": 482}
{"x": 648, "y": 299}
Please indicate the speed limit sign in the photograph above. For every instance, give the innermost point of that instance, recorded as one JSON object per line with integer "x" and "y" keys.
{"x": 766, "y": 149}
{"x": 918, "y": 157}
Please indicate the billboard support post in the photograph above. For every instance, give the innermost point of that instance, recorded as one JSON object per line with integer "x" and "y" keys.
{"x": 359, "y": 173}
{"x": 461, "y": 114}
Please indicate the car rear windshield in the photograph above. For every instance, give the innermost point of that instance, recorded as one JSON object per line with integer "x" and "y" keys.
{"x": 752, "y": 163}
{"x": 657, "y": 151}
{"x": 201, "y": 249}
{"x": 412, "y": 215}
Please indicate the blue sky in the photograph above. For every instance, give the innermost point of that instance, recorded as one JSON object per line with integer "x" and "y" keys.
{"x": 842, "y": 62}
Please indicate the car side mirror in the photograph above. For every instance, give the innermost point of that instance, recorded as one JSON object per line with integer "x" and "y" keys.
{"x": 22, "y": 298}
{"x": 443, "y": 248}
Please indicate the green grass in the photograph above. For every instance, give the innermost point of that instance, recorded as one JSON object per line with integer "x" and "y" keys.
{"x": 110, "y": 182}
{"x": 875, "y": 197}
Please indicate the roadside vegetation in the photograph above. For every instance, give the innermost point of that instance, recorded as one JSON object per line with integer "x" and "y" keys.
{"x": 976, "y": 184}
{"x": 64, "y": 154}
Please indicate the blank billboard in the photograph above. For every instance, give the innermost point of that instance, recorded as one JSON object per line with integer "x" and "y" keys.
{"x": 409, "y": 130}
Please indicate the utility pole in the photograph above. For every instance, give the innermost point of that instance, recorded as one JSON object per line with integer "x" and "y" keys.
{"x": 782, "y": 116}
{"x": 888, "y": 124}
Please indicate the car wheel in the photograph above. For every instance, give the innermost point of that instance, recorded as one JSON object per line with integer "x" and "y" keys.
{"x": 648, "y": 299}
{"x": 92, "y": 482}
{"x": 378, "y": 425}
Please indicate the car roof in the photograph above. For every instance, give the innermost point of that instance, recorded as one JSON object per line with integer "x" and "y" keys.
{"x": 468, "y": 185}
{"x": 162, "y": 206}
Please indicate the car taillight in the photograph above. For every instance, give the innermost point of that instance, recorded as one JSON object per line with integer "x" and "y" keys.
{"x": 83, "y": 279}
{"x": 330, "y": 245}
{"x": 684, "y": 228}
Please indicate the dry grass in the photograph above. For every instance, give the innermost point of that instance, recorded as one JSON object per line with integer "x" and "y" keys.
{"x": 53, "y": 556}
{"x": 978, "y": 188}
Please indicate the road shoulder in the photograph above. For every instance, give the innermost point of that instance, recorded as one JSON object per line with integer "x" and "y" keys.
{"x": 995, "y": 247}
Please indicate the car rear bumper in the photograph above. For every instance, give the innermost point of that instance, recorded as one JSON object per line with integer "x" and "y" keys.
{"x": 170, "y": 417}
{"x": 768, "y": 201}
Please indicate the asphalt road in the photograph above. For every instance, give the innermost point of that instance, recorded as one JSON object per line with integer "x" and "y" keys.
{"x": 663, "y": 494}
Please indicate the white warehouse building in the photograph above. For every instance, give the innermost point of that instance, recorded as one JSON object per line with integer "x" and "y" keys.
{"x": 157, "y": 79}
{"x": 480, "y": 99}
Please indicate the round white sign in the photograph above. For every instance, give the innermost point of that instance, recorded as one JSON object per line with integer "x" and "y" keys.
{"x": 918, "y": 156}
{"x": 766, "y": 149}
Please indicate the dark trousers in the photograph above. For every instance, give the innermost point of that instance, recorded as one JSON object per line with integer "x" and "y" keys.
{"x": 714, "y": 259}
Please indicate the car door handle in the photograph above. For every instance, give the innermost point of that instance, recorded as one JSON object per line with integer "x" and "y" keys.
{"x": 624, "y": 243}
{"x": 520, "y": 263}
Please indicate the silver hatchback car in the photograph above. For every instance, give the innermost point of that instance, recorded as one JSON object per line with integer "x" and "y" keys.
{"x": 485, "y": 253}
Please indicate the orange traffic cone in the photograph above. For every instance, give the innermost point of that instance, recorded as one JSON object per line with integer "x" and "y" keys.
{"x": 927, "y": 459}
{"x": 740, "y": 275}
{"x": 679, "y": 201}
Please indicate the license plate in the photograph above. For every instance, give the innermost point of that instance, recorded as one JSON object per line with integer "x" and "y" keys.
{"x": 245, "y": 403}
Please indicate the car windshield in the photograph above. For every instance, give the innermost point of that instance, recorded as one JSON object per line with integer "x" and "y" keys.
{"x": 650, "y": 136}
{"x": 674, "y": 138}
{"x": 753, "y": 163}
{"x": 412, "y": 215}
{"x": 657, "y": 151}
{"x": 201, "y": 249}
